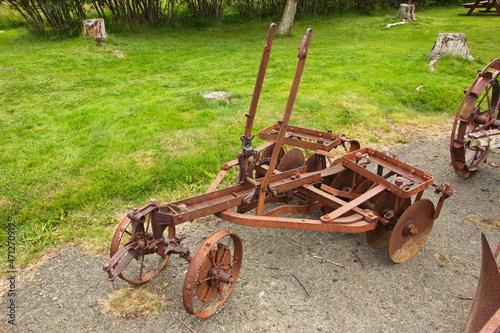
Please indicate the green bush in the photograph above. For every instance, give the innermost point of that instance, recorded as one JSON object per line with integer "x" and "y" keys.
{"x": 62, "y": 17}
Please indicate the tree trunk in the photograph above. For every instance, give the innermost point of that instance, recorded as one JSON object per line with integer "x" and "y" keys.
{"x": 95, "y": 28}
{"x": 449, "y": 43}
{"x": 288, "y": 16}
{"x": 407, "y": 12}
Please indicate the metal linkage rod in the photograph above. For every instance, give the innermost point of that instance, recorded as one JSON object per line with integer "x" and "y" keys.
{"x": 260, "y": 80}
{"x": 303, "y": 48}
{"x": 248, "y": 152}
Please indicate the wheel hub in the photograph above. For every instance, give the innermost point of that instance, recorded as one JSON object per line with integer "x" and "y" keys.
{"x": 217, "y": 275}
{"x": 410, "y": 229}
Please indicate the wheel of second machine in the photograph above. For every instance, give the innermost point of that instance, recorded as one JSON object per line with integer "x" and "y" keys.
{"x": 212, "y": 274}
{"x": 411, "y": 231}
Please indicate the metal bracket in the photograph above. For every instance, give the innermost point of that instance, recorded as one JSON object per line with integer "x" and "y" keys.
{"x": 246, "y": 166}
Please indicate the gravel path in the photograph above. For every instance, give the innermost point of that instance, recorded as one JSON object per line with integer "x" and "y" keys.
{"x": 67, "y": 291}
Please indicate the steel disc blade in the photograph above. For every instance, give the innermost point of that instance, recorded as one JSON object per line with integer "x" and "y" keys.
{"x": 386, "y": 204}
{"x": 343, "y": 181}
{"x": 315, "y": 162}
{"x": 379, "y": 237}
{"x": 268, "y": 152}
{"x": 291, "y": 160}
{"x": 411, "y": 231}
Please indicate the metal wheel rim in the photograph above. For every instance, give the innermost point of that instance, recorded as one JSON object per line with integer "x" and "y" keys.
{"x": 116, "y": 243}
{"x": 466, "y": 161}
{"x": 197, "y": 265}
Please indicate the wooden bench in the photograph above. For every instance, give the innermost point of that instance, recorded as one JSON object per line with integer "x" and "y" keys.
{"x": 490, "y": 6}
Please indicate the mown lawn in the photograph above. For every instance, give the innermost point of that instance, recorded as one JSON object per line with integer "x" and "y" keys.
{"x": 87, "y": 135}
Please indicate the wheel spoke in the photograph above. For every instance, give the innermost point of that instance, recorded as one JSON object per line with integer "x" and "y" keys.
{"x": 142, "y": 267}
{"x": 197, "y": 283}
{"x": 208, "y": 292}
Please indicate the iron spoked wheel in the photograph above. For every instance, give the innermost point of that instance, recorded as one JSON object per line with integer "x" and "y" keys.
{"x": 411, "y": 231}
{"x": 479, "y": 106}
{"x": 144, "y": 267}
{"x": 212, "y": 274}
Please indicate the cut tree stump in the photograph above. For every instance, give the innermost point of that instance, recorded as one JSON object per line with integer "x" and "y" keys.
{"x": 449, "y": 43}
{"x": 407, "y": 12}
{"x": 95, "y": 28}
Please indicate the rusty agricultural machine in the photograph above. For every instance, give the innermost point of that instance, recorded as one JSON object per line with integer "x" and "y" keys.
{"x": 295, "y": 172}
{"x": 476, "y": 130}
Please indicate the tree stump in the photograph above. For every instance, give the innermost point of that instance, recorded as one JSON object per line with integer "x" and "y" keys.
{"x": 95, "y": 28}
{"x": 407, "y": 12}
{"x": 449, "y": 43}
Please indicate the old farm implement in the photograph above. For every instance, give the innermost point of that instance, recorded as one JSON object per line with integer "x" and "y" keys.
{"x": 476, "y": 130}
{"x": 295, "y": 172}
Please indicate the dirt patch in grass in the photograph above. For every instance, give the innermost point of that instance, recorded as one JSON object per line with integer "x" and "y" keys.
{"x": 133, "y": 302}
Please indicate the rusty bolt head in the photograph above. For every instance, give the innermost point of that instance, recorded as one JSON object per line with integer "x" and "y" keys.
{"x": 388, "y": 214}
{"x": 410, "y": 230}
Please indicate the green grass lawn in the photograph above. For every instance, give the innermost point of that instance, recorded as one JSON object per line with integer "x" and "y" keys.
{"x": 87, "y": 135}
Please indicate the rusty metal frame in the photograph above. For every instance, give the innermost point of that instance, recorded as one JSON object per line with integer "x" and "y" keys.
{"x": 301, "y": 189}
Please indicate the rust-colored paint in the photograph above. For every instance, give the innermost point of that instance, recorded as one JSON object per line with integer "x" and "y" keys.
{"x": 478, "y": 116}
{"x": 299, "y": 171}
{"x": 484, "y": 314}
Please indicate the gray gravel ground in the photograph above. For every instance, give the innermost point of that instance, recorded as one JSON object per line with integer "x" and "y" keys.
{"x": 66, "y": 292}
